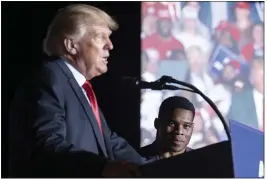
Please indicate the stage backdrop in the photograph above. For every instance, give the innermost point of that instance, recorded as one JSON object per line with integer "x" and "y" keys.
{"x": 205, "y": 44}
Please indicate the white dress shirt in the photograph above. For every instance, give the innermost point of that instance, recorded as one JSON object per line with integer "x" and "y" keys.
{"x": 78, "y": 77}
{"x": 258, "y": 100}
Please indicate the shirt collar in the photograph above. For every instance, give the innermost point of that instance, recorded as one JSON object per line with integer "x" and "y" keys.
{"x": 77, "y": 75}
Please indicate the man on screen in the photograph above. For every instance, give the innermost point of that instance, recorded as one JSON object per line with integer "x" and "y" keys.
{"x": 163, "y": 40}
{"x": 247, "y": 106}
{"x": 56, "y": 126}
{"x": 256, "y": 46}
{"x": 174, "y": 128}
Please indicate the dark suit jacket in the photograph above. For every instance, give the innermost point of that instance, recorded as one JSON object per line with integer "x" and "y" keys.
{"x": 53, "y": 131}
{"x": 243, "y": 109}
{"x": 150, "y": 151}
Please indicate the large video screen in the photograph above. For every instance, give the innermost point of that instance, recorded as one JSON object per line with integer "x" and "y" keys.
{"x": 216, "y": 46}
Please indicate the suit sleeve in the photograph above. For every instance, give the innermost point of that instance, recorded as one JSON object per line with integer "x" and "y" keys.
{"x": 49, "y": 133}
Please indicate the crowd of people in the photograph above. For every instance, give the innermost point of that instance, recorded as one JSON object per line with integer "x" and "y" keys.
{"x": 216, "y": 46}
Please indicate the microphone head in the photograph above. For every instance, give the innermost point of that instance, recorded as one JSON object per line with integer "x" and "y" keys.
{"x": 133, "y": 81}
{"x": 166, "y": 79}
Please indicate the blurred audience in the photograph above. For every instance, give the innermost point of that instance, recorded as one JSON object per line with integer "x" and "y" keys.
{"x": 243, "y": 22}
{"x": 189, "y": 32}
{"x": 202, "y": 135}
{"x": 256, "y": 46}
{"x": 150, "y": 62}
{"x": 148, "y": 8}
{"x": 202, "y": 29}
{"x": 150, "y": 100}
{"x": 178, "y": 55}
{"x": 227, "y": 35}
{"x": 222, "y": 46}
{"x": 148, "y": 26}
{"x": 247, "y": 106}
{"x": 231, "y": 78}
{"x": 163, "y": 41}
{"x": 198, "y": 76}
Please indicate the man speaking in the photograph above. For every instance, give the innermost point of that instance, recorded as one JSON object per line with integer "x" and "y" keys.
{"x": 56, "y": 126}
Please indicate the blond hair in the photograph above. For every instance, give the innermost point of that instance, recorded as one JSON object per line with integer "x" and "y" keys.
{"x": 70, "y": 22}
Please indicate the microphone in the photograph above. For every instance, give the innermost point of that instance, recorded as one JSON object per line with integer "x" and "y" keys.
{"x": 159, "y": 84}
{"x": 169, "y": 79}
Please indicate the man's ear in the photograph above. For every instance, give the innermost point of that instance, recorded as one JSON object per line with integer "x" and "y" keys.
{"x": 156, "y": 123}
{"x": 70, "y": 46}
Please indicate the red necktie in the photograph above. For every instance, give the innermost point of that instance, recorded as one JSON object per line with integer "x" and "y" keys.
{"x": 91, "y": 95}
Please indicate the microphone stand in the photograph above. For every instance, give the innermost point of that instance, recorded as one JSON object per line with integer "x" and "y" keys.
{"x": 221, "y": 165}
{"x": 167, "y": 79}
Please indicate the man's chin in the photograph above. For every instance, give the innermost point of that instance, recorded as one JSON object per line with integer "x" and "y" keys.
{"x": 102, "y": 70}
{"x": 98, "y": 72}
{"x": 177, "y": 148}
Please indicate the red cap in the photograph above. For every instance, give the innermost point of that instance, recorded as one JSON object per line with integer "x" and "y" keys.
{"x": 242, "y": 5}
{"x": 235, "y": 32}
{"x": 235, "y": 64}
{"x": 224, "y": 25}
{"x": 162, "y": 11}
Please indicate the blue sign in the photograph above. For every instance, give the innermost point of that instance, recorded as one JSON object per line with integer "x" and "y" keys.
{"x": 247, "y": 150}
{"x": 222, "y": 56}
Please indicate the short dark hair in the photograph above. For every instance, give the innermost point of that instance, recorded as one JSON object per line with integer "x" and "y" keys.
{"x": 175, "y": 102}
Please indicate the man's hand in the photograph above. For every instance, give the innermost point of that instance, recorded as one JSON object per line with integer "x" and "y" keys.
{"x": 115, "y": 169}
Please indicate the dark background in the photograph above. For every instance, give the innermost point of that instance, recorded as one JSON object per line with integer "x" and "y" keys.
{"x": 24, "y": 26}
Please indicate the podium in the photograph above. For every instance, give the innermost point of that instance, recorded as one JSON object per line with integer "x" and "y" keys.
{"x": 211, "y": 161}
{"x": 248, "y": 150}
{"x": 244, "y": 157}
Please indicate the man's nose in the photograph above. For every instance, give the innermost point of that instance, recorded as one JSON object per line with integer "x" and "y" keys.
{"x": 109, "y": 45}
{"x": 179, "y": 130}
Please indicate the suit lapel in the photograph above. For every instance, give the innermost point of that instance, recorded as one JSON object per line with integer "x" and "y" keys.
{"x": 87, "y": 108}
{"x": 106, "y": 134}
